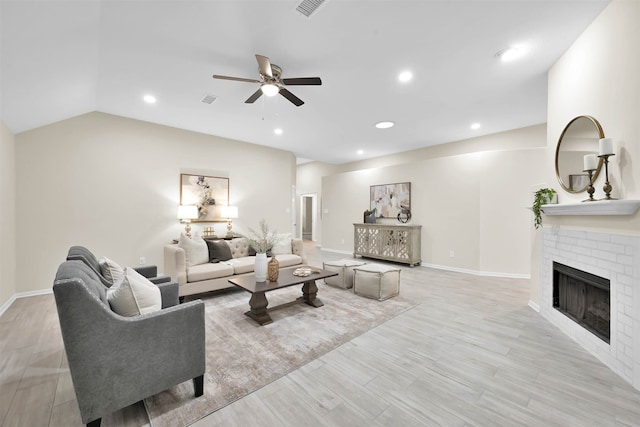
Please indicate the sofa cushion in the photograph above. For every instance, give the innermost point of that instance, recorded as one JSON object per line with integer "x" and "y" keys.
{"x": 252, "y": 252}
{"x": 242, "y": 265}
{"x": 196, "y": 250}
{"x": 196, "y": 273}
{"x": 218, "y": 249}
{"x": 287, "y": 260}
{"x": 239, "y": 247}
{"x": 110, "y": 270}
{"x": 134, "y": 294}
{"x": 283, "y": 246}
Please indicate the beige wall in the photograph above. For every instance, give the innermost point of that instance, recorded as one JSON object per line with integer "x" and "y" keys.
{"x": 112, "y": 184}
{"x": 309, "y": 181}
{"x": 469, "y": 196}
{"x": 599, "y": 75}
{"x": 7, "y": 216}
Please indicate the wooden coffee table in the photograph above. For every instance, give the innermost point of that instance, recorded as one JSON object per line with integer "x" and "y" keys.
{"x": 258, "y": 302}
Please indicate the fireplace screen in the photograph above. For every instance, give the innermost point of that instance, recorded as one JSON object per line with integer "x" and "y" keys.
{"x": 583, "y": 297}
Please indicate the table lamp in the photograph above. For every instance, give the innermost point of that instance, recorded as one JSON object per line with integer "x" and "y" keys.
{"x": 185, "y": 214}
{"x": 229, "y": 212}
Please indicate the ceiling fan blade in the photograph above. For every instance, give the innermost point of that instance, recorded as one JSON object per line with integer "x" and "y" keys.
{"x": 257, "y": 94}
{"x": 291, "y": 97}
{"x": 302, "y": 81}
{"x": 238, "y": 79}
{"x": 264, "y": 65}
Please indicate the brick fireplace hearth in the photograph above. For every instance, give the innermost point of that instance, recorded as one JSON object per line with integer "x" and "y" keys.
{"x": 611, "y": 256}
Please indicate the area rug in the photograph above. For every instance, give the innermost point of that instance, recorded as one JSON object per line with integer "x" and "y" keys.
{"x": 243, "y": 356}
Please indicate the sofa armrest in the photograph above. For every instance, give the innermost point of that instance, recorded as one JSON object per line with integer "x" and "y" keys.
{"x": 297, "y": 247}
{"x": 147, "y": 271}
{"x": 169, "y": 292}
{"x": 175, "y": 264}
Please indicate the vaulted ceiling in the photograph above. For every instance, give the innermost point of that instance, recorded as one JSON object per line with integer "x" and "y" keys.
{"x": 63, "y": 58}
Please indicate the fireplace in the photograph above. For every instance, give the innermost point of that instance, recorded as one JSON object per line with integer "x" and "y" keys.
{"x": 584, "y": 298}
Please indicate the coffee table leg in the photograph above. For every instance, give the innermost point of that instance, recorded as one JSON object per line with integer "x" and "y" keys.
{"x": 309, "y": 292}
{"x": 258, "y": 312}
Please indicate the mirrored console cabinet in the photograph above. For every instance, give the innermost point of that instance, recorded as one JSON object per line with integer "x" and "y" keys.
{"x": 399, "y": 243}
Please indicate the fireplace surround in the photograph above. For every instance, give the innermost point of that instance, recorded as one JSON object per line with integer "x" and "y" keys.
{"x": 613, "y": 257}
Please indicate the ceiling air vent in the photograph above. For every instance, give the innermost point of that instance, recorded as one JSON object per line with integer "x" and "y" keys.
{"x": 307, "y": 7}
{"x": 208, "y": 99}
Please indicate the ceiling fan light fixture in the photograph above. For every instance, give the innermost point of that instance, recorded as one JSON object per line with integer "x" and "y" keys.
{"x": 269, "y": 89}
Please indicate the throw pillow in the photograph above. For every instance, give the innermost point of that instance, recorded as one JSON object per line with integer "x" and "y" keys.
{"x": 195, "y": 249}
{"x": 218, "y": 249}
{"x": 283, "y": 246}
{"x": 134, "y": 294}
{"x": 110, "y": 270}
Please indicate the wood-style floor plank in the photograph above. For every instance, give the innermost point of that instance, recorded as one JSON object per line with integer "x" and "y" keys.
{"x": 471, "y": 353}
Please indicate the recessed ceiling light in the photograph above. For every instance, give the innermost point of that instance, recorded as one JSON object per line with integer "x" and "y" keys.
{"x": 385, "y": 125}
{"x": 511, "y": 53}
{"x": 360, "y": 152}
{"x": 277, "y": 131}
{"x": 149, "y": 99}
{"x": 405, "y": 76}
{"x": 475, "y": 126}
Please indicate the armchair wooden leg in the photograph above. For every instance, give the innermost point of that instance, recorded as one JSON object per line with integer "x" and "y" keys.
{"x": 198, "y": 385}
{"x": 94, "y": 423}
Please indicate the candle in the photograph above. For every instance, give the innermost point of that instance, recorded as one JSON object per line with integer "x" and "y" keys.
{"x": 606, "y": 146}
{"x": 590, "y": 162}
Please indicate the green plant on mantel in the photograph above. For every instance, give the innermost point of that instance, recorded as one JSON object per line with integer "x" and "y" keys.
{"x": 541, "y": 197}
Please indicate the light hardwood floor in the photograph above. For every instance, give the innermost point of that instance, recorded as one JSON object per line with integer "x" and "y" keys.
{"x": 472, "y": 353}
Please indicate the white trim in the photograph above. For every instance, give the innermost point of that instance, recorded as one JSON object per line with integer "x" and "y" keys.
{"x": 454, "y": 269}
{"x": 534, "y": 306}
{"x": 14, "y": 297}
{"x": 478, "y": 273}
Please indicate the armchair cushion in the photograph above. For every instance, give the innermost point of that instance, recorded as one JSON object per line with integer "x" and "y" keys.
{"x": 134, "y": 295}
{"x": 195, "y": 249}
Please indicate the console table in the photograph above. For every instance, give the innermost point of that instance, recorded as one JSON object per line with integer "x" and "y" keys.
{"x": 399, "y": 243}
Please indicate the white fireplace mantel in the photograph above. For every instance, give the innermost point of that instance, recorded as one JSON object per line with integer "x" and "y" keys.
{"x": 600, "y": 207}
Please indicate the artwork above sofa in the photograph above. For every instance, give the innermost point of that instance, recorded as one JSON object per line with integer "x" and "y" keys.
{"x": 200, "y": 265}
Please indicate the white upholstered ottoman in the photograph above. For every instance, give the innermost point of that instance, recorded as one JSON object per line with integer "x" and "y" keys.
{"x": 376, "y": 281}
{"x": 344, "y": 268}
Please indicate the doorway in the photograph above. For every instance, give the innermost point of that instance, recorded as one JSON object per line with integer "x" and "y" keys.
{"x": 308, "y": 209}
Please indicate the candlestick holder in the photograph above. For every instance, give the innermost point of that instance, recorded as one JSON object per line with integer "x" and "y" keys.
{"x": 590, "y": 188}
{"x": 607, "y": 186}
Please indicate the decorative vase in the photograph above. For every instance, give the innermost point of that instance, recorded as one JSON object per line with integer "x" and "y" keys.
{"x": 273, "y": 269}
{"x": 260, "y": 269}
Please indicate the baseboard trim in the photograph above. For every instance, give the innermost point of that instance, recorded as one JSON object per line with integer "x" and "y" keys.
{"x": 454, "y": 269}
{"x": 534, "y": 306}
{"x": 14, "y": 297}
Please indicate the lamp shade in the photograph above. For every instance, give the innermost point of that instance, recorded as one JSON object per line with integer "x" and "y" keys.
{"x": 269, "y": 89}
{"x": 187, "y": 212}
{"x": 229, "y": 211}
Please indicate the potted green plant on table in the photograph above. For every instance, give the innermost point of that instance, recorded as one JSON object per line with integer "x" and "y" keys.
{"x": 542, "y": 197}
{"x": 370, "y": 216}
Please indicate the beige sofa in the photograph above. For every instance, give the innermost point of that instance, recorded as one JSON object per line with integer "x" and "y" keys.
{"x": 207, "y": 277}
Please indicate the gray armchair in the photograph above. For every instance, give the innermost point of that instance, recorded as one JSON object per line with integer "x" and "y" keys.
{"x": 116, "y": 361}
{"x": 168, "y": 289}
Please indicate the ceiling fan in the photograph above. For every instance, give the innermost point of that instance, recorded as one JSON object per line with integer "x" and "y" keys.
{"x": 271, "y": 82}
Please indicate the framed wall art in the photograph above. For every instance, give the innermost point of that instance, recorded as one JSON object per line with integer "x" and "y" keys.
{"x": 390, "y": 199}
{"x": 208, "y": 193}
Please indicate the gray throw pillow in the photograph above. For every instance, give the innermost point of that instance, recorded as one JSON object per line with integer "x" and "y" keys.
{"x": 252, "y": 252}
{"x": 218, "y": 249}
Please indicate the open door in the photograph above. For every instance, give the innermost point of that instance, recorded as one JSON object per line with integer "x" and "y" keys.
{"x": 308, "y": 209}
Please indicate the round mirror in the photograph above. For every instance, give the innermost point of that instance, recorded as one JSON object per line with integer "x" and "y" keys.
{"x": 579, "y": 138}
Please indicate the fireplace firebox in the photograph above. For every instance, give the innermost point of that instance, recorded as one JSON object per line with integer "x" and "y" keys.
{"x": 584, "y": 298}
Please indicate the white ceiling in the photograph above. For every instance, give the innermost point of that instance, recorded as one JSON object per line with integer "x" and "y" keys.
{"x": 65, "y": 58}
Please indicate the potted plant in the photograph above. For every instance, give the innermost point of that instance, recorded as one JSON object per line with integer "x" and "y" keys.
{"x": 542, "y": 197}
{"x": 261, "y": 242}
{"x": 370, "y": 216}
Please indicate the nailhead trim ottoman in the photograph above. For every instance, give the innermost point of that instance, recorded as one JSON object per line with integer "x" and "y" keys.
{"x": 376, "y": 281}
{"x": 344, "y": 268}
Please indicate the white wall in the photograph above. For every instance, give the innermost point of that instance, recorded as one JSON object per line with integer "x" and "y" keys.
{"x": 470, "y": 198}
{"x": 599, "y": 75}
{"x": 309, "y": 181}
{"x": 112, "y": 184}
{"x": 7, "y": 216}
